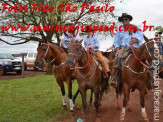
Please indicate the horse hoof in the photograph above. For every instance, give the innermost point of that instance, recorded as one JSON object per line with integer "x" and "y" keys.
{"x": 71, "y": 110}
{"x": 64, "y": 108}
{"x": 122, "y": 117}
{"x": 145, "y": 118}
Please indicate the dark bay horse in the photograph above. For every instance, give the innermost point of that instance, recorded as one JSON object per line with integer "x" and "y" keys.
{"x": 88, "y": 73}
{"x": 57, "y": 56}
{"x": 134, "y": 75}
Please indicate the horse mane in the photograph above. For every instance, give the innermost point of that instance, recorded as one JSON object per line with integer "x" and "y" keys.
{"x": 57, "y": 45}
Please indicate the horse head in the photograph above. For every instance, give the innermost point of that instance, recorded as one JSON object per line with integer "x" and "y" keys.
{"x": 146, "y": 51}
{"x": 43, "y": 52}
{"x": 75, "y": 53}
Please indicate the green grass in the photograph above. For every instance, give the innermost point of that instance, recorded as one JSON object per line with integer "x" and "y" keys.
{"x": 36, "y": 99}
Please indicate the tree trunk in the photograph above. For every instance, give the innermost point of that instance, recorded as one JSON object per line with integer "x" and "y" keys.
{"x": 49, "y": 70}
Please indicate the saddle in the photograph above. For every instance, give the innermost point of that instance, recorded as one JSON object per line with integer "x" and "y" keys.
{"x": 97, "y": 61}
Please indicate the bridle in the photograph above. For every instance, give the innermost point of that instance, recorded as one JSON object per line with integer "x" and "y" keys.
{"x": 76, "y": 67}
{"x": 146, "y": 45}
{"x": 81, "y": 53}
{"x": 47, "y": 50}
{"x": 145, "y": 65}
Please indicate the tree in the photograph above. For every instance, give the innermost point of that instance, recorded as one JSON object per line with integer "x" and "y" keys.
{"x": 50, "y": 18}
{"x": 158, "y": 28}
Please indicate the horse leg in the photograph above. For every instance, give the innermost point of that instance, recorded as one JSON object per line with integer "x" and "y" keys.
{"x": 128, "y": 103}
{"x": 60, "y": 83}
{"x": 100, "y": 99}
{"x": 96, "y": 102}
{"x": 91, "y": 97}
{"x": 83, "y": 94}
{"x": 142, "y": 102}
{"x": 75, "y": 96}
{"x": 117, "y": 100}
{"x": 126, "y": 96}
{"x": 69, "y": 84}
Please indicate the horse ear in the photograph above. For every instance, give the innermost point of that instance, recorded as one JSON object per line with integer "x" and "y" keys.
{"x": 81, "y": 41}
{"x": 145, "y": 38}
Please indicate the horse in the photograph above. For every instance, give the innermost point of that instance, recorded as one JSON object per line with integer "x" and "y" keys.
{"x": 88, "y": 73}
{"x": 57, "y": 56}
{"x": 134, "y": 75}
{"x": 111, "y": 57}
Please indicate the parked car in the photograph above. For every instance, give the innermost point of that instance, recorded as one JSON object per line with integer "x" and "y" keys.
{"x": 29, "y": 62}
{"x": 9, "y": 64}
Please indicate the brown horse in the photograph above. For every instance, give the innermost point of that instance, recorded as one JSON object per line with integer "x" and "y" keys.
{"x": 134, "y": 75}
{"x": 88, "y": 73}
{"x": 57, "y": 56}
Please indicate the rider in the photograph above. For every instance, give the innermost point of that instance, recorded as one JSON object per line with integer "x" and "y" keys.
{"x": 124, "y": 37}
{"x": 65, "y": 34}
{"x": 92, "y": 42}
{"x": 68, "y": 36}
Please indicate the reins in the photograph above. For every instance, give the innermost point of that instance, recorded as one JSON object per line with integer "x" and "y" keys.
{"x": 145, "y": 65}
{"x": 132, "y": 49}
{"x": 52, "y": 59}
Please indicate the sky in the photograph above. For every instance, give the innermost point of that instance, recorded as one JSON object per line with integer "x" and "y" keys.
{"x": 141, "y": 10}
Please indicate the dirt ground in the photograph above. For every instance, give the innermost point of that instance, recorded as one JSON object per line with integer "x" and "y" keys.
{"x": 28, "y": 73}
{"x": 108, "y": 112}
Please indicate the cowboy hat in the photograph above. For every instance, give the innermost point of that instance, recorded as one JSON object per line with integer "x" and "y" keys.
{"x": 68, "y": 22}
{"x": 123, "y": 16}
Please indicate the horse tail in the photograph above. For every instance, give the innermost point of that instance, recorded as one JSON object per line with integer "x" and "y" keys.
{"x": 104, "y": 85}
{"x": 120, "y": 88}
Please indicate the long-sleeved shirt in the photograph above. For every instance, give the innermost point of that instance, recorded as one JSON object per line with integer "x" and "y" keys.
{"x": 92, "y": 41}
{"x": 67, "y": 39}
{"x": 123, "y": 38}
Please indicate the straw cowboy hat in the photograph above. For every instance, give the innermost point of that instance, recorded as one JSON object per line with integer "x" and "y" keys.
{"x": 124, "y": 15}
